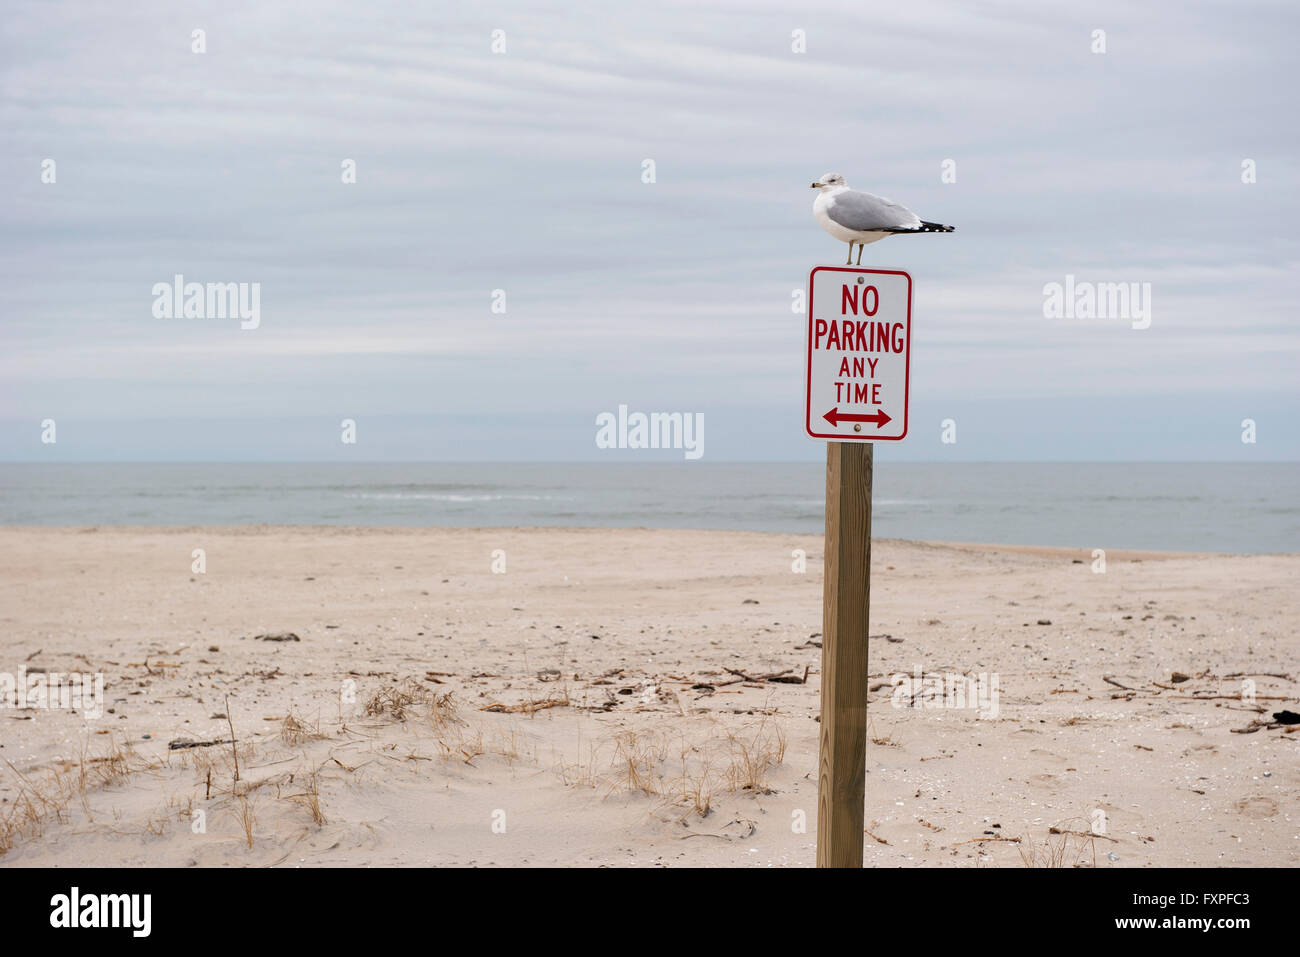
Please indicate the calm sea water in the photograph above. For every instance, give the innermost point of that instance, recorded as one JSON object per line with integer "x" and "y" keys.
{"x": 1202, "y": 507}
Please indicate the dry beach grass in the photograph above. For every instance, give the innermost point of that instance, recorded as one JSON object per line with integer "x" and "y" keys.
{"x": 631, "y": 697}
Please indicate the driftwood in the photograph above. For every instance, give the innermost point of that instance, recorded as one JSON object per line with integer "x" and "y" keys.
{"x": 991, "y": 837}
{"x": 779, "y": 677}
{"x": 1258, "y": 674}
{"x": 526, "y": 707}
{"x": 791, "y": 679}
{"x": 183, "y": 744}
{"x": 1061, "y": 830}
{"x": 1281, "y": 719}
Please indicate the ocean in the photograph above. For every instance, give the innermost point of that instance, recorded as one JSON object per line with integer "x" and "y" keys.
{"x": 1225, "y": 507}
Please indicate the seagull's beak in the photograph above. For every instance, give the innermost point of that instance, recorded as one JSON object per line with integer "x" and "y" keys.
{"x": 815, "y": 186}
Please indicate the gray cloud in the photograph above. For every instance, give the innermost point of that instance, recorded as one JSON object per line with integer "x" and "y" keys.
{"x": 522, "y": 172}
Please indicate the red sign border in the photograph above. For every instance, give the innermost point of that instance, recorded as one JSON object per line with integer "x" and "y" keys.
{"x": 808, "y": 349}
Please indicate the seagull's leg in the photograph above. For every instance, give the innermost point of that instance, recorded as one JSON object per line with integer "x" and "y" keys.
{"x": 849, "y": 261}
{"x": 860, "y": 245}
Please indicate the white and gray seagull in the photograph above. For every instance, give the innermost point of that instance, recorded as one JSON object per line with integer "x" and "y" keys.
{"x": 852, "y": 216}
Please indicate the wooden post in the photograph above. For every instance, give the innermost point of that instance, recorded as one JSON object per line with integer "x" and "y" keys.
{"x": 846, "y": 598}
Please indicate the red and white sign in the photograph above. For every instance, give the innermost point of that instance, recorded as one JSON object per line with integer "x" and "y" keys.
{"x": 859, "y": 349}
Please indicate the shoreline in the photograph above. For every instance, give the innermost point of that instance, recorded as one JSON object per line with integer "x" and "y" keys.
{"x": 1044, "y": 551}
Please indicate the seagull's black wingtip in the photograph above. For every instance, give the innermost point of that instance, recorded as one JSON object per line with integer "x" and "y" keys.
{"x": 923, "y": 228}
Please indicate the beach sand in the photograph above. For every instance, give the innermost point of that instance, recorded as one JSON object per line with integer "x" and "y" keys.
{"x": 599, "y": 712}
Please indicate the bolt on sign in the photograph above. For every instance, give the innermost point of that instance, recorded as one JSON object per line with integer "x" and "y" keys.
{"x": 858, "y": 350}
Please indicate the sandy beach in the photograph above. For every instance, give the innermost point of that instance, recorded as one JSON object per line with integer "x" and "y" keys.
{"x": 633, "y": 698}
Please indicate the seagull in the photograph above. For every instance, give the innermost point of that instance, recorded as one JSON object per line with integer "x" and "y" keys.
{"x": 853, "y": 216}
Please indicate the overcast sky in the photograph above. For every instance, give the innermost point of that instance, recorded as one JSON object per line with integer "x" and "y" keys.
{"x": 522, "y": 171}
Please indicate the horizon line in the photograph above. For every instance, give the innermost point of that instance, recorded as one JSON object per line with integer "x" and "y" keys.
{"x": 628, "y": 461}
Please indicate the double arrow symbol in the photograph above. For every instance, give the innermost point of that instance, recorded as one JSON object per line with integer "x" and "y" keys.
{"x": 835, "y": 417}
